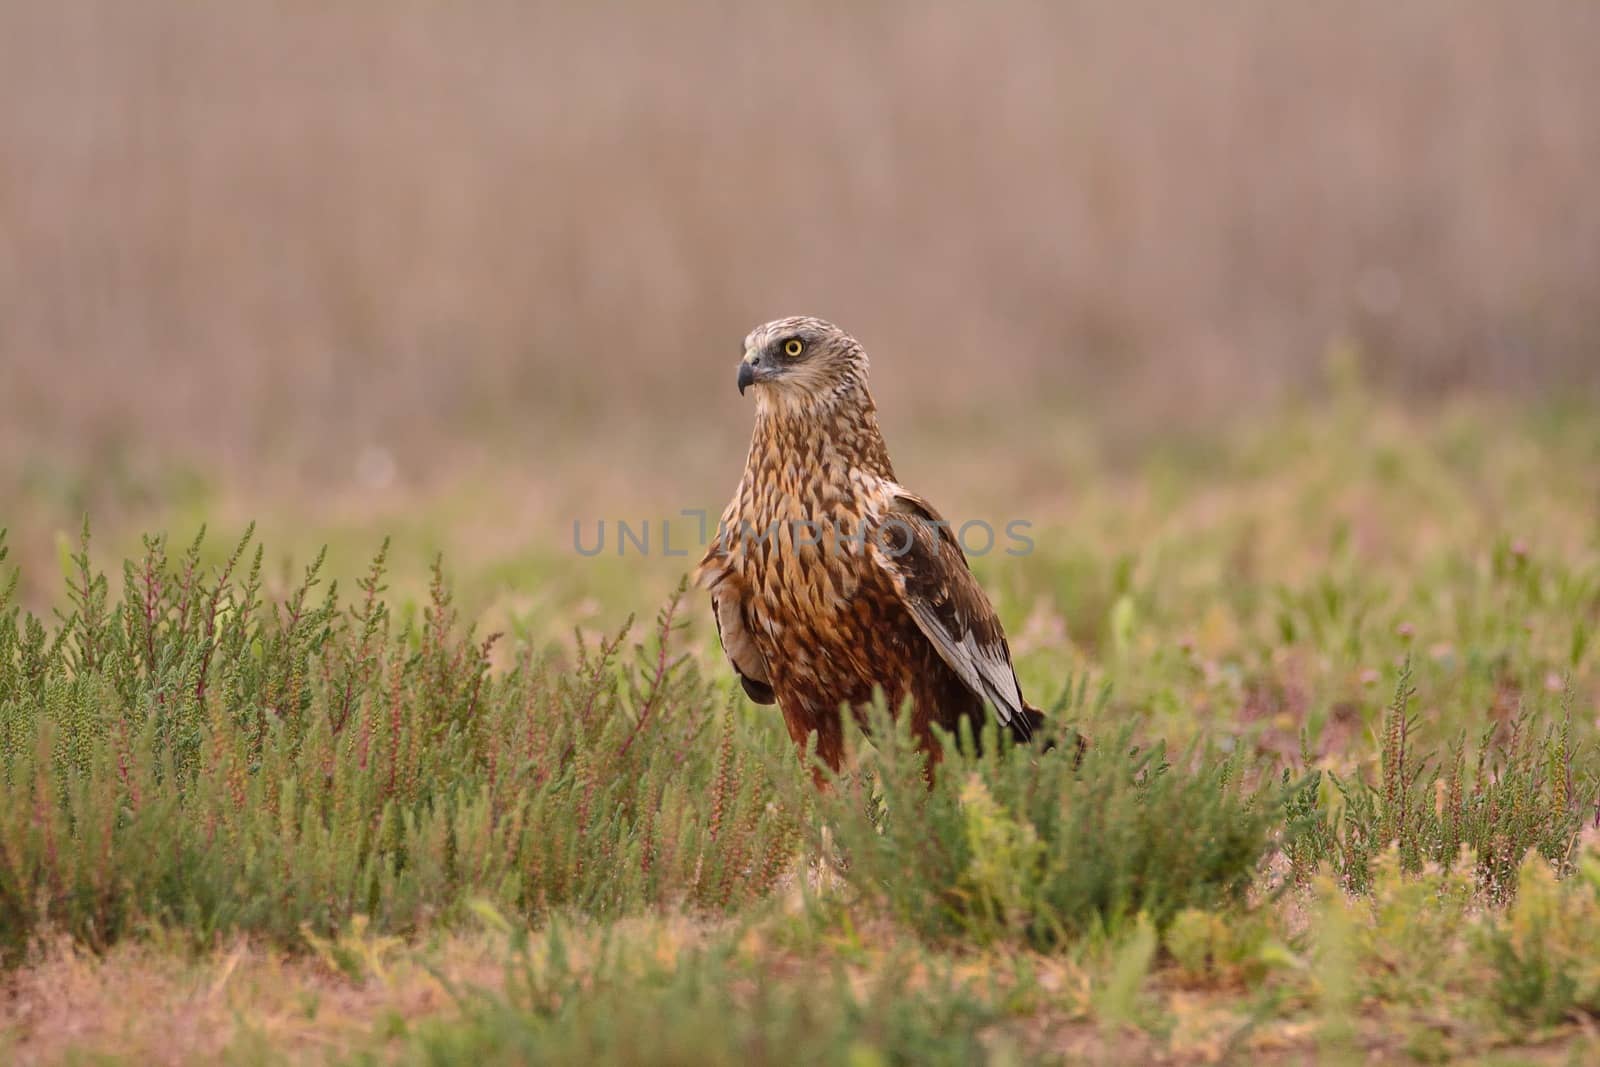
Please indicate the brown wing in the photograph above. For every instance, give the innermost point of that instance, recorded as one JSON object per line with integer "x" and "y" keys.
{"x": 727, "y": 608}
{"x": 746, "y": 658}
{"x": 922, "y": 557}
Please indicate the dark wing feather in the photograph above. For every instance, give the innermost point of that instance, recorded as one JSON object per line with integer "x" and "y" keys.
{"x": 727, "y": 608}
{"x": 924, "y": 560}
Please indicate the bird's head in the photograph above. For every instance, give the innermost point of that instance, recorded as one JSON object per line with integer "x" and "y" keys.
{"x": 800, "y": 363}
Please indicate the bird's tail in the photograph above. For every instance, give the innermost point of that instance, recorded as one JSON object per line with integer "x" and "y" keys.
{"x": 1023, "y": 727}
{"x": 1030, "y": 724}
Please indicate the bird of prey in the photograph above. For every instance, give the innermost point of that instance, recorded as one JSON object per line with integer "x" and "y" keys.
{"x": 829, "y": 579}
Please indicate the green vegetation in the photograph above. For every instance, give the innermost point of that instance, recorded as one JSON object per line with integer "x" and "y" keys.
{"x": 1041, "y": 849}
{"x": 194, "y": 756}
{"x": 1339, "y": 678}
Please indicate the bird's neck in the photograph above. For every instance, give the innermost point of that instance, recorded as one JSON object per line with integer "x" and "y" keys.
{"x": 839, "y": 431}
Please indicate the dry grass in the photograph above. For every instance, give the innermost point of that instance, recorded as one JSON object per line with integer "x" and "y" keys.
{"x": 162, "y": 1007}
{"x": 158, "y": 1003}
{"x": 370, "y": 999}
{"x": 284, "y": 233}
{"x": 144, "y": 1003}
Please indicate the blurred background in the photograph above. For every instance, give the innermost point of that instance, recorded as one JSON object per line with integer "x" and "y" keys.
{"x": 308, "y": 252}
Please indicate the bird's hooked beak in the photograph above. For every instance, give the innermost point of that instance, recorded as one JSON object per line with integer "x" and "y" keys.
{"x": 752, "y": 371}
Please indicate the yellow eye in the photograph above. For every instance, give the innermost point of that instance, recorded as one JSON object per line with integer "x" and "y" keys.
{"x": 792, "y": 347}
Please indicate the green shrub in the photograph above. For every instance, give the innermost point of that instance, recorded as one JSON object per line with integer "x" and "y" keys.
{"x": 203, "y": 754}
{"x": 1034, "y": 846}
{"x": 642, "y": 1003}
{"x": 1529, "y": 793}
{"x": 1545, "y": 950}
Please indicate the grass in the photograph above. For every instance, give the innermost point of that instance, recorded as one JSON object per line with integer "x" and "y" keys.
{"x": 1339, "y": 669}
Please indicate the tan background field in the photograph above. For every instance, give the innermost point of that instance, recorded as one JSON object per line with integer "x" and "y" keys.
{"x": 303, "y": 238}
